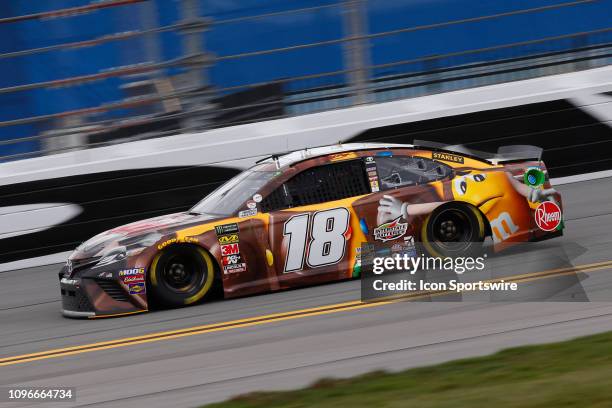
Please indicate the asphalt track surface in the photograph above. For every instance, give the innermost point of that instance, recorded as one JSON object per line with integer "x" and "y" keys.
{"x": 210, "y": 352}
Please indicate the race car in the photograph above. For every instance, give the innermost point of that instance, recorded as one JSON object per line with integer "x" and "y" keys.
{"x": 301, "y": 218}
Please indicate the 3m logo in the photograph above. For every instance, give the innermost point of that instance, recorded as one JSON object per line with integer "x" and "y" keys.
{"x": 230, "y": 249}
{"x": 447, "y": 157}
{"x": 228, "y": 239}
{"x": 502, "y": 227}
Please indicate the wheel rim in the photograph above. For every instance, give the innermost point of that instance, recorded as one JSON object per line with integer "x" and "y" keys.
{"x": 182, "y": 274}
{"x": 451, "y": 230}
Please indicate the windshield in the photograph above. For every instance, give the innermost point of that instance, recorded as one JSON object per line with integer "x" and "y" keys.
{"x": 230, "y": 197}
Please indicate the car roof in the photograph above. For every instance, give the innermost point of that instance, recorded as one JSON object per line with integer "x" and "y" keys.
{"x": 291, "y": 158}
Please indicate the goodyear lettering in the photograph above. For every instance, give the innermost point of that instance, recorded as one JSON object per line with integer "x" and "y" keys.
{"x": 190, "y": 240}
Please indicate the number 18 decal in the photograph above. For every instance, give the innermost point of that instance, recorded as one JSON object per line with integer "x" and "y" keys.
{"x": 326, "y": 243}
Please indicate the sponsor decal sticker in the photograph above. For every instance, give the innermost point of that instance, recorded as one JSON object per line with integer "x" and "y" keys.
{"x": 128, "y": 276}
{"x": 343, "y": 156}
{"x": 230, "y": 249}
{"x": 548, "y": 216}
{"x": 228, "y": 239}
{"x": 231, "y": 259}
{"x": 372, "y": 175}
{"x": 447, "y": 157}
{"x": 247, "y": 213}
{"x": 137, "y": 288}
{"x": 233, "y": 264}
{"x": 251, "y": 204}
{"x": 226, "y": 229}
{"x": 390, "y": 230}
{"x": 407, "y": 247}
{"x": 132, "y": 279}
{"x": 358, "y": 256}
{"x": 257, "y": 198}
{"x": 131, "y": 272}
{"x": 171, "y": 241}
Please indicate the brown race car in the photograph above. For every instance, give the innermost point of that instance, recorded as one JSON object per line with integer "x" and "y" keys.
{"x": 300, "y": 219}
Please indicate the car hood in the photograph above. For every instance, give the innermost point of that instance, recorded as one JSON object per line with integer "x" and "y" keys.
{"x": 151, "y": 229}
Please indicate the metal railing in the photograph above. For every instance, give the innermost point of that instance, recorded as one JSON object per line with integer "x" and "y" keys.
{"x": 304, "y": 94}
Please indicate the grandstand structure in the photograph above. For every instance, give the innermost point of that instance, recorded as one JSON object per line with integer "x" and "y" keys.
{"x": 160, "y": 97}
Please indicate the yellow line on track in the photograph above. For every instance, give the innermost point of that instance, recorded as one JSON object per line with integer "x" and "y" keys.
{"x": 278, "y": 317}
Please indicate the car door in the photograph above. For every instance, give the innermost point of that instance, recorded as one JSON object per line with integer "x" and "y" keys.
{"x": 414, "y": 183}
{"x": 311, "y": 232}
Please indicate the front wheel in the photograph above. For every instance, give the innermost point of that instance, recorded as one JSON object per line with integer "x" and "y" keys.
{"x": 181, "y": 275}
{"x": 453, "y": 230}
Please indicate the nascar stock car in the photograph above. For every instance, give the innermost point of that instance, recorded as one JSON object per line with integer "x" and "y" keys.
{"x": 300, "y": 218}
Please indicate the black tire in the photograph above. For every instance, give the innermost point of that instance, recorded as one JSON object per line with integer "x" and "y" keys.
{"x": 454, "y": 229}
{"x": 181, "y": 275}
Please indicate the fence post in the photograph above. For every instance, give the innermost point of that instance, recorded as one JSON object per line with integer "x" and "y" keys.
{"x": 196, "y": 60}
{"x": 356, "y": 50}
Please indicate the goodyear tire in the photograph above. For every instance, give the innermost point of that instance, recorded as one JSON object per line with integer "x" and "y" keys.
{"x": 181, "y": 275}
{"x": 454, "y": 229}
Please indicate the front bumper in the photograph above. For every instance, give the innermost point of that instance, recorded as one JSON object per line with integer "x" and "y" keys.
{"x": 98, "y": 293}
{"x": 75, "y": 302}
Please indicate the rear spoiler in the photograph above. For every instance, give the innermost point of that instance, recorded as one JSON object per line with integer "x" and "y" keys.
{"x": 504, "y": 154}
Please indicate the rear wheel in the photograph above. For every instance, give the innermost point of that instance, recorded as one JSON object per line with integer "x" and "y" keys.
{"x": 181, "y": 275}
{"x": 454, "y": 229}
